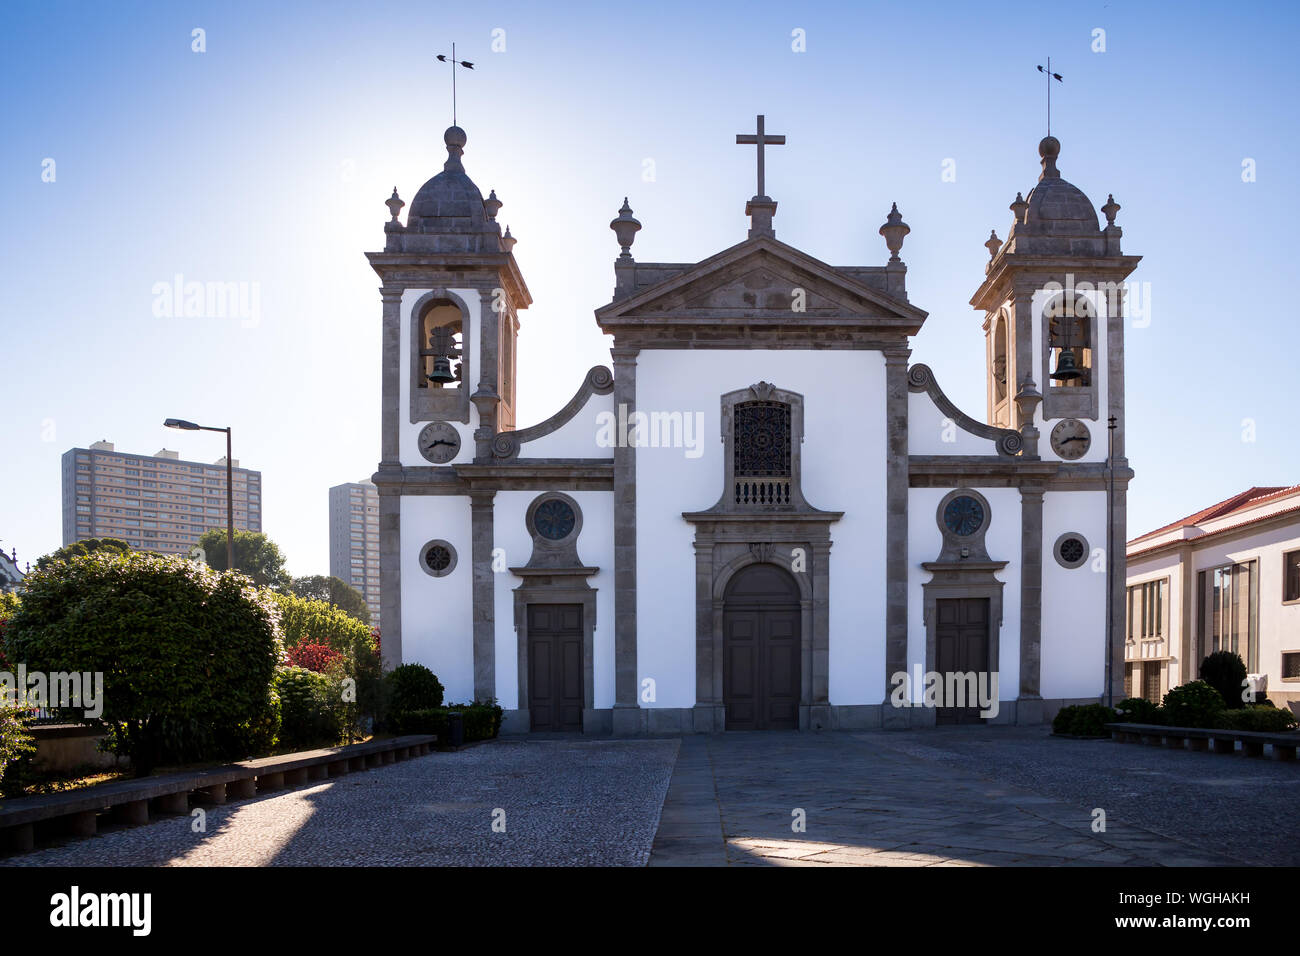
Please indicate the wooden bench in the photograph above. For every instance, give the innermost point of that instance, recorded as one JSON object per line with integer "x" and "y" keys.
{"x": 131, "y": 801}
{"x": 1198, "y": 738}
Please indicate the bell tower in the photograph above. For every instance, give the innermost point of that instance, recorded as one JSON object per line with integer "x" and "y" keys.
{"x": 1053, "y": 301}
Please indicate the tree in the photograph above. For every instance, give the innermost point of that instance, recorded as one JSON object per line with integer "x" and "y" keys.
{"x": 79, "y": 548}
{"x": 332, "y": 590}
{"x": 255, "y": 554}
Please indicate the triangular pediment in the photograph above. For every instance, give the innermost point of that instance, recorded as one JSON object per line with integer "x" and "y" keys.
{"x": 761, "y": 284}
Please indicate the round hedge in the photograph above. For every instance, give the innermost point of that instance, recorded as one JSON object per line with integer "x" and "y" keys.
{"x": 1225, "y": 671}
{"x": 413, "y": 687}
{"x": 1196, "y": 704}
{"x": 188, "y": 654}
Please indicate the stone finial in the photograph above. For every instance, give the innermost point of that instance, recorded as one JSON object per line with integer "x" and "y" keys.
{"x": 1019, "y": 208}
{"x": 1027, "y": 399}
{"x": 394, "y": 204}
{"x": 1110, "y": 209}
{"x": 1049, "y": 147}
{"x": 625, "y": 229}
{"x": 492, "y": 206}
{"x": 508, "y": 241}
{"x": 993, "y": 244}
{"x": 894, "y": 230}
{"x": 455, "y": 140}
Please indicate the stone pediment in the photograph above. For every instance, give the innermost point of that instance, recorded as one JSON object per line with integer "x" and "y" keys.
{"x": 762, "y": 293}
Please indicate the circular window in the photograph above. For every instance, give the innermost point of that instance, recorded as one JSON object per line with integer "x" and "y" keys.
{"x": 963, "y": 516}
{"x": 438, "y": 558}
{"x": 1071, "y": 550}
{"x": 554, "y": 519}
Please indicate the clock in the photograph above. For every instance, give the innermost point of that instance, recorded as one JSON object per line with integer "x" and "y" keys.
{"x": 1071, "y": 439}
{"x": 439, "y": 442}
{"x": 963, "y": 516}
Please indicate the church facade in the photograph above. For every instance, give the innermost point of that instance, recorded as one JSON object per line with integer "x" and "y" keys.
{"x": 763, "y": 514}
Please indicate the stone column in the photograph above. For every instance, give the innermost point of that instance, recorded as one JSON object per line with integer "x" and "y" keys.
{"x": 1187, "y": 607}
{"x": 896, "y": 491}
{"x": 486, "y": 397}
{"x": 390, "y": 383}
{"x": 627, "y": 718}
{"x": 390, "y": 574}
{"x": 481, "y": 531}
{"x": 1029, "y": 705}
{"x": 1118, "y": 587}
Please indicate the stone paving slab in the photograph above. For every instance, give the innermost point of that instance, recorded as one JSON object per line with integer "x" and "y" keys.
{"x": 575, "y": 802}
{"x": 868, "y": 803}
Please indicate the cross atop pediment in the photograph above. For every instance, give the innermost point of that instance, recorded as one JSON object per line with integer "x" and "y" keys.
{"x": 761, "y": 208}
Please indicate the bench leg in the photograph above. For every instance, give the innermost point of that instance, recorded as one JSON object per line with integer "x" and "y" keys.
{"x": 1283, "y": 752}
{"x": 82, "y": 824}
{"x": 1253, "y": 748}
{"x": 241, "y": 789}
{"x": 21, "y": 839}
{"x": 270, "y": 781}
{"x": 1198, "y": 744}
{"x": 295, "y": 778}
{"x": 373, "y": 760}
{"x": 318, "y": 771}
{"x": 135, "y": 812}
{"x": 339, "y": 767}
{"x": 389, "y": 757}
{"x": 1175, "y": 743}
{"x": 215, "y": 794}
{"x": 356, "y": 763}
{"x": 174, "y": 802}
{"x": 1224, "y": 745}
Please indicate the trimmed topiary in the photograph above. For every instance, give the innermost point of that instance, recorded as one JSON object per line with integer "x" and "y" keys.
{"x": 1264, "y": 719}
{"x": 1138, "y": 710}
{"x": 187, "y": 654}
{"x": 1226, "y": 673}
{"x": 311, "y": 708}
{"x": 1193, "y": 705}
{"x": 412, "y": 687}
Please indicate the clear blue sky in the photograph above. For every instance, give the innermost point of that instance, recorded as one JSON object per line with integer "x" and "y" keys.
{"x": 266, "y": 159}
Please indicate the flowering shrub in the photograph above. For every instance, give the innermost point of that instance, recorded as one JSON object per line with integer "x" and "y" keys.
{"x": 320, "y": 658}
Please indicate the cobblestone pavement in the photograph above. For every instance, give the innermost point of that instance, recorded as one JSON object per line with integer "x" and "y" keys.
{"x": 574, "y": 801}
{"x": 978, "y": 796}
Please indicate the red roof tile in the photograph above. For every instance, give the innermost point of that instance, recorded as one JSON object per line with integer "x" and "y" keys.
{"x": 1248, "y": 498}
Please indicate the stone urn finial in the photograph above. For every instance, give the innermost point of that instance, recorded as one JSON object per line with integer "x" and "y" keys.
{"x": 1110, "y": 209}
{"x": 993, "y": 244}
{"x": 894, "y": 230}
{"x": 492, "y": 206}
{"x": 508, "y": 241}
{"x": 394, "y": 204}
{"x": 625, "y": 229}
{"x": 1018, "y": 208}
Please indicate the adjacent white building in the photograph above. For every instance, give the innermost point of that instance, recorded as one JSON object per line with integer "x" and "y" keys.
{"x": 1224, "y": 578}
{"x": 765, "y": 513}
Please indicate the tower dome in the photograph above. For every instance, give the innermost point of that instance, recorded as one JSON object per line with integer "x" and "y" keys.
{"x": 449, "y": 202}
{"x": 1059, "y": 219}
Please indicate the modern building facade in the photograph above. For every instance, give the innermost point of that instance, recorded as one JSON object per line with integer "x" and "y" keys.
{"x": 152, "y": 502}
{"x": 764, "y": 515}
{"x": 354, "y": 540}
{"x": 1224, "y": 578}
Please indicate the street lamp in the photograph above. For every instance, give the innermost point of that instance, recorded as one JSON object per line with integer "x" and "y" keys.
{"x": 230, "y": 483}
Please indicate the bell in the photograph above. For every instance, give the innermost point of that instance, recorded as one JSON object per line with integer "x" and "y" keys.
{"x": 442, "y": 373}
{"x": 1066, "y": 370}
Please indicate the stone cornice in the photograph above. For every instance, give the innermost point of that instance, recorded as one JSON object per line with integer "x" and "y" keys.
{"x": 948, "y": 471}
{"x": 1009, "y": 266}
{"x": 416, "y": 270}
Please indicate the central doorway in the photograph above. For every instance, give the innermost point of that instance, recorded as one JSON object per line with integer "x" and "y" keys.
{"x": 962, "y": 646}
{"x": 555, "y": 693}
{"x": 762, "y": 648}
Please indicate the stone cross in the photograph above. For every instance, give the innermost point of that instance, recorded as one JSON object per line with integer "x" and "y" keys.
{"x": 760, "y": 139}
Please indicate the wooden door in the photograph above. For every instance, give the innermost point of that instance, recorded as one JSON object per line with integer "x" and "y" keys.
{"x": 762, "y": 651}
{"x": 962, "y": 647}
{"x": 555, "y": 691}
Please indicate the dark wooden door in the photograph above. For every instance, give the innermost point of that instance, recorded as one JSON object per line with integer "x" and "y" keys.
{"x": 1151, "y": 681}
{"x": 762, "y": 650}
{"x": 555, "y": 692}
{"x": 962, "y": 647}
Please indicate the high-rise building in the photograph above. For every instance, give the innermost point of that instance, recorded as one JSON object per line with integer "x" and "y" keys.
{"x": 153, "y": 502}
{"x": 354, "y": 540}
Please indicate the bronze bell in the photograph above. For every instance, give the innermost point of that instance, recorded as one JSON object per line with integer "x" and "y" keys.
{"x": 1066, "y": 370}
{"x": 442, "y": 373}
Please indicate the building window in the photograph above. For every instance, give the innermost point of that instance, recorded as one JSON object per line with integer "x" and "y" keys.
{"x": 1291, "y": 665}
{"x": 1146, "y": 610}
{"x": 761, "y": 452}
{"x": 1069, "y": 332}
{"x": 440, "y": 347}
{"x": 1071, "y": 550}
{"x": 1291, "y": 576}
{"x": 1228, "y": 599}
{"x": 437, "y": 558}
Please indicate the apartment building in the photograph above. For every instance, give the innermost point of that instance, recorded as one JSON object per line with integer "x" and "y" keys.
{"x": 1224, "y": 578}
{"x": 354, "y": 540}
{"x": 153, "y": 502}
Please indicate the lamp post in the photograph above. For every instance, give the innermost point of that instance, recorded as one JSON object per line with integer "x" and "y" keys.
{"x": 230, "y": 482}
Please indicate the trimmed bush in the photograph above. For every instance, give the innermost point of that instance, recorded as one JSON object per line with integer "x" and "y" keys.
{"x": 1193, "y": 705}
{"x": 311, "y": 708}
{"x": 187, "y": 654}
{"x": 1258, "y": 718}
{"x": 1226, "y": 673}
{"x": 481, "y": 721}
{"x": 1083, "y": 720}
{"x": 412, "y": 687}
{"x": 14, "y": 739}
{"x": 1138, "y": 710}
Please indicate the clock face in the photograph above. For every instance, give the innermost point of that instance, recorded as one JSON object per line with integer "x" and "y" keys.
{"x": 1071, "y": 439}
{"x": 439, "y": 442}
{"x": 963, "y": 516}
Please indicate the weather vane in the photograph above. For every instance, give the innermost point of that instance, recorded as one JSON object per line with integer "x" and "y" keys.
{"x": 442, "y": 58}
{"x": 1049, "y": 75}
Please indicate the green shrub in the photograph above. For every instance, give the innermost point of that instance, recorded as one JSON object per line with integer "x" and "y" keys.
{"x": 311, "y": 708}
{"x": 1226, "y": 673}
{"x": 481, "y": 721}
{"x": 1083, "y": 720}
{"x": 187, "y": 654}
{"x": 316, "y": 622}
{"x": 14, "y": 739}
{"x": 1258, "y": 718}
{"x": 1138, "y": 710}
{"x": 413, "y": 687}
{"x": 1193, "y": 705}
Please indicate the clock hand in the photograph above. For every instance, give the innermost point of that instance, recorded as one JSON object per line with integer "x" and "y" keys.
{"x": 439, "y": 441}
{"x": 1072, "y": 438}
